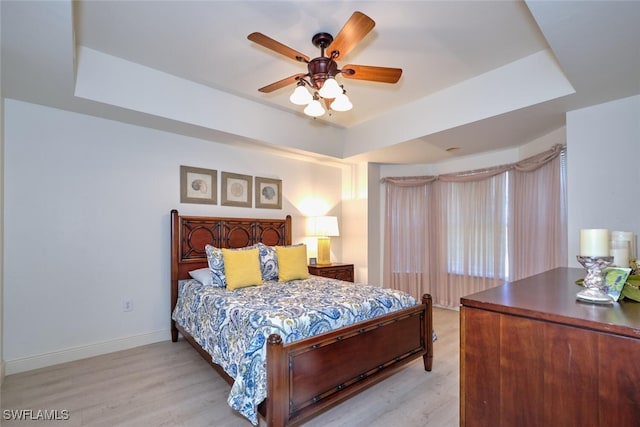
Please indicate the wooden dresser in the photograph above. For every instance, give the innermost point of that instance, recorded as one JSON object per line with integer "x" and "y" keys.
{"x": 333, "y": 271}
{"x": 531, "y": 355}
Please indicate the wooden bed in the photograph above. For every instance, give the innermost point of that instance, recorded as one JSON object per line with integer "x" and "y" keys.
{"x": 306, "y": 376}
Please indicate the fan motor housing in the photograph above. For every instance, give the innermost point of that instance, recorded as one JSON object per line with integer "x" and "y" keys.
{"x": 320, "y": 69}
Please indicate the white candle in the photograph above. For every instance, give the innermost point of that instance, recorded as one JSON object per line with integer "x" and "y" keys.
{"x": 594, "y": 242}
{"x": 620, "y": 257}
{"x": 627, "y": 236}
{"x": 619, "y": 250}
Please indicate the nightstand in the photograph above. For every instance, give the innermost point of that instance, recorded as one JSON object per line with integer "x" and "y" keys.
{"x": 333, "y": 271}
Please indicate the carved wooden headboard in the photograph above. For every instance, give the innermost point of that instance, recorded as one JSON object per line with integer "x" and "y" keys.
{"x": 190, "y": 234}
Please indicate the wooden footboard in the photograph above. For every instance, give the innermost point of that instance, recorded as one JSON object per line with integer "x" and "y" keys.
{"x": 307, "y": 376}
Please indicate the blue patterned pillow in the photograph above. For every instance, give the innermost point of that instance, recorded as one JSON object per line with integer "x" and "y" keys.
{"x": 216, "y": 265}
{"x": 268, "y": 262}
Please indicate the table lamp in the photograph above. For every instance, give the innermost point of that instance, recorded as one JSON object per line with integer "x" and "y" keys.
{"x": 324, "y": 227}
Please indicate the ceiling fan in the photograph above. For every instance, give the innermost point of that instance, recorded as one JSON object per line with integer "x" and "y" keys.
{"x": 321, "y": 71}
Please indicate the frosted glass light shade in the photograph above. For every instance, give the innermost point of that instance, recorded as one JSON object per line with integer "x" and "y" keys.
{"x": 314, "y": 109}
{"x": 330, "y": 89}
{"x": 301, "y": 96}
{"x": 341, "y": 103}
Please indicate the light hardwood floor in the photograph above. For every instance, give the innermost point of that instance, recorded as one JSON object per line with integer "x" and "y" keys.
{"x": 169, "y": 384}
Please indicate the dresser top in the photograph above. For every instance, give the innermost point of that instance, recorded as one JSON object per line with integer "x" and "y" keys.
{"x": 551, "y": 296}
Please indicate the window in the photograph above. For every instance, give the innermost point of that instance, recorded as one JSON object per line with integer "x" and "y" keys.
{"x": 478, "y": 227}
{"x": 457, "y": 234}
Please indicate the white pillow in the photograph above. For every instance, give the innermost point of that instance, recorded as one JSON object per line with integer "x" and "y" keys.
{"x": 202, "y": 275}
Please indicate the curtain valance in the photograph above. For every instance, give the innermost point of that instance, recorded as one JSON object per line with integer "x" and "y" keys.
{"x": 529, "y": 164}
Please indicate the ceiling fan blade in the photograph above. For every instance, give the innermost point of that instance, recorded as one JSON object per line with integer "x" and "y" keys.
{"x": 374, "y": 74}
{"x": 350, "y": 35}
{"x": 281, "y": 83}
{"x": 278, "y": 47}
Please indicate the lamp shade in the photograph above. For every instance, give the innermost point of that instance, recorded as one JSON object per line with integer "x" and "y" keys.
{"x": 324, "y": 226}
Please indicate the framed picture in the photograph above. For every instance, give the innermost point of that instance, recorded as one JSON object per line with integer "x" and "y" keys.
{"x": 268, "y": 193}
{"x": 236, "y": 189}
{"x": 198, "y": 185}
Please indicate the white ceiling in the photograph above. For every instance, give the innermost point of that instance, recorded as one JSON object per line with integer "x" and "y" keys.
{"x": 479, "y": 75}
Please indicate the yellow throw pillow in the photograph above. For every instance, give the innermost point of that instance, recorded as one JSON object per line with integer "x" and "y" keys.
{"x": 242, "y": 267}
{"x": 292, "y": 262}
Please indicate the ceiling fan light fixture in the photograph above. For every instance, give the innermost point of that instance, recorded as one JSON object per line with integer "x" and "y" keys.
{"x": 301, "y": 96}
{"x": 341, "y": 103}
{"x": 330, "y": 89}
{"x": 319, "y": 83}
{"x": 314, "y": 109}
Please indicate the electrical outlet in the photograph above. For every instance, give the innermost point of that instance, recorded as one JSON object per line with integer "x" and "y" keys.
{"x": 127, "y": 305}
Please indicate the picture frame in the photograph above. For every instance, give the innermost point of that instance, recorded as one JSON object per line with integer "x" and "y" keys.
{"x": 198, "y": 185}
{"x": 268, "y": 193}
{"x": 313, "y": 261}
{"x": 236, "y": 189}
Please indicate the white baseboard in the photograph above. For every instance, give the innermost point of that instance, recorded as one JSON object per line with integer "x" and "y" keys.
{"x": 48, "y": 359}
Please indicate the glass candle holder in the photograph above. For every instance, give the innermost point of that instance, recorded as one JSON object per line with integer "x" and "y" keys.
{"x": 594, "y": 282}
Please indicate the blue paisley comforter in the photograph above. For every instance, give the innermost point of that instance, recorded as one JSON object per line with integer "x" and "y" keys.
{"x": 233, "y": 326}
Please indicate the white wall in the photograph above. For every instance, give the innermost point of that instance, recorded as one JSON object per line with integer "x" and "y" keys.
{"x": 603, "y": 176}
{"x": 375, "y": 228}
{"x": 86, "y": 223}
{"x": 353, "y": 230}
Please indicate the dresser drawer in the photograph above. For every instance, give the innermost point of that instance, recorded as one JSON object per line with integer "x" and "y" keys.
{"x": 333, "y": 271}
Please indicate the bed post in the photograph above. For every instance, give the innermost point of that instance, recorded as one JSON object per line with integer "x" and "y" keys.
{"x": 288, "y": 232}
{"x": 175, "y": 233}
{"x": 277, "y": 391}
{"x": 427, "y": 358}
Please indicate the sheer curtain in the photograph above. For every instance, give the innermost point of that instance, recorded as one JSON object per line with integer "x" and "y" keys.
{"x": 539, "y": 216}
{"x": 407, "y": 226}
{"x": 457, "y": 234}
{"x": 474, "y": 250}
